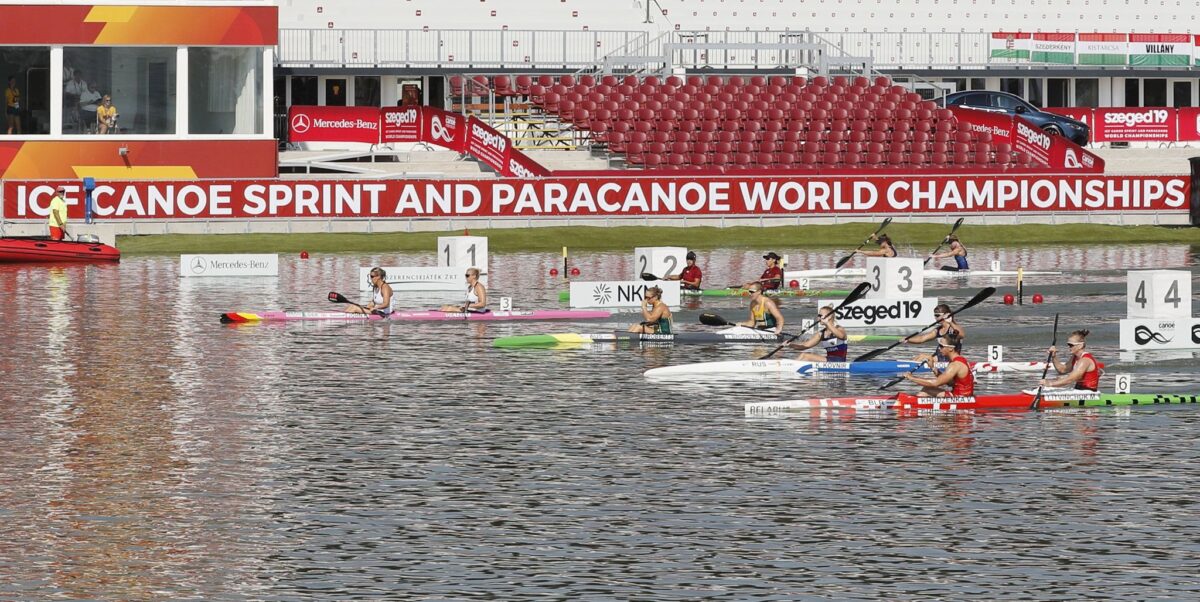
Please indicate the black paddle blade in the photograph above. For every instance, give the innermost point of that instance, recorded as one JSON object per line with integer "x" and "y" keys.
{"x": 892, "y": 383}
{"x": 956, "y": 225}
{"x": 714, "y": 320}
{"x": 336, "y": 297}
{"x": 648, "y": 276}
{"x": 873, "y": 354}
{"x": 858, "y": 293}
{"x": 843, "y": 261}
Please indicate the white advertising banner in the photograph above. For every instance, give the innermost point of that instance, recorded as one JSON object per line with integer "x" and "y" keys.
{"x": 420, "y": 279}
{"x": 884, "y": 312}
{"x": 626, "y": 293}
{"x": 1150, "y": 334}
{"x": 239, "y": 264}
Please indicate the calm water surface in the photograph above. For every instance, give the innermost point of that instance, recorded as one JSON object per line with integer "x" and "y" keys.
{"x": 148, "y": 452}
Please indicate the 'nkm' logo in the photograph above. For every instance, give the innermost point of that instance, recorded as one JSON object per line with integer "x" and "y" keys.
{"x": 602, "y": 294}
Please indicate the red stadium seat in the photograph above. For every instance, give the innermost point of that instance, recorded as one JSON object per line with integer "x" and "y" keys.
{"x": 765, "y": 159}
{"x": 567, "y": 80}
{"x": 742, "y": 161}
{"x": 652, "y": 161}
{"x": 872, "y": 159}
{"x": 635, "y": 153}
{"x": 610, "y": 80}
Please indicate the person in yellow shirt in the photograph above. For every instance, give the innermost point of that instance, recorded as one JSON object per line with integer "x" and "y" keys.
{"x": 58, "y": 215}
{"x": 12, "y": 106}
{"x": 106, "y": 116}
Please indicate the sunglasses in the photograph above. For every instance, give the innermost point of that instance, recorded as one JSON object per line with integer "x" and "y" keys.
{"x": 1074, "y": 344}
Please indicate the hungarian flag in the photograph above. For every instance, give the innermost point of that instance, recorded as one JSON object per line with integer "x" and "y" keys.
{"x": 1101, "y": 48}
{"x": 1160, "y": 49}
{"x": 1010, "y": 45}
{"x": 1057, "y": 48}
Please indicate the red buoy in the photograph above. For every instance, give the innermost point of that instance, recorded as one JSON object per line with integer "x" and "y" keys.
{"x": 1037, "y": 298}
{"x": 574, "y": 271}
{"x": 1008, "y": 299}
{"x": 303, "y": 254}
{"x": 794, "y": 284}
{"x": 553, "y": 271}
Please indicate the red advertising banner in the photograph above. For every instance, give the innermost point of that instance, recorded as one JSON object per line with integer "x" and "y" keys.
{"x": 607, "y": 197}
{"x": 401, "y": 124}
{"x": 444, "y": 129}
{"x": 521, "y": 166}
{"x": 488, "y": 145}
{"x": 1188, "y": 120}
{"x": 1053, "y": 151}
{"x": 333, "y": 124}
{"x": 1134, "y": 124}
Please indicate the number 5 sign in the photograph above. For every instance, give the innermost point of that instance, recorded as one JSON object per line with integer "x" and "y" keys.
{"x": 1159, "y": 294}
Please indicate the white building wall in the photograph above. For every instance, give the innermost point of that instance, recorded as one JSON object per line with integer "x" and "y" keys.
{"x": 1141, "y": 16}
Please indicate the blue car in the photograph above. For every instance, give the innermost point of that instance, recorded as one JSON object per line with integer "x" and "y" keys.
{"x": 1003, "y": 102}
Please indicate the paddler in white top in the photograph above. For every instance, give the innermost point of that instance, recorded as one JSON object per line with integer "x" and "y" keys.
{"x": 831, "y": 337}
{"x": 476, "y": 300}
{"x": 381, "y": 295}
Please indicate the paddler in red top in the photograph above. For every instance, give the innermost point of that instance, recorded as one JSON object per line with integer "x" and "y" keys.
{"x": 691, "y": 277}
{"x": 772, "y": 277}
{"x": 957, "y": 374}
{"x": 1083, "y": 371}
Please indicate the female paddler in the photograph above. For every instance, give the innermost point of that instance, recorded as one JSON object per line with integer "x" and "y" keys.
{"x": 957, "y": 375}
{"x": 831, "y": 337}
{"x": 886, "y": 248}
{"x": 656, "y": 316}
{"x": 764, "y": 313}
{"x": 1082, "y": 371}
{"x": 957, "y": 251}
{"x": 381, "y": 295}
{"x": 476, "y": 298}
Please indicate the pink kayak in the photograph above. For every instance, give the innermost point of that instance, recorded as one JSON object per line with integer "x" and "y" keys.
{"x": 416, "y": 316}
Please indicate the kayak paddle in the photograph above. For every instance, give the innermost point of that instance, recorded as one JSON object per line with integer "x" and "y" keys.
{"x": 715, "y": 320}
{"x": 336, "y": 297}
{"x": 854, "y": 295}
{"x": 1037, "y": 398}
{"x": 899, "y": 378}
{"x": 976, "y": 300}
{"x": 841, "y": 262}
{"x": 939, "y": 247}
{"x": 647, "y": 276}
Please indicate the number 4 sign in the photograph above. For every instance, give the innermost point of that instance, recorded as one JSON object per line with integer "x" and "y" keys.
{"x": 1159, "y": 294}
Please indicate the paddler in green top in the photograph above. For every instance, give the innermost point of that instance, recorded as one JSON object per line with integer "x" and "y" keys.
{"x": 656, "y": 316}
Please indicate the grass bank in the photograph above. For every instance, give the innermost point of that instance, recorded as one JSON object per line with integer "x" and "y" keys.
{"x": 502, "y": 240}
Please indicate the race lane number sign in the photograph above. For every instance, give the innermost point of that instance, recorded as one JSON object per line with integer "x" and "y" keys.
{"x": 620, "y": 293}
{"x": 884, "y": 312}
{"x": 1159, "y": 294}
{"x": 216, "y": 265}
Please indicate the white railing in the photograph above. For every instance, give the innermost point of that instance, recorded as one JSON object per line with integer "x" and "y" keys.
{"x": 524, "y": 49}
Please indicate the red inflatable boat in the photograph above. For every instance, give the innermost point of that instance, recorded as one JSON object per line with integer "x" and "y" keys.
{"x": 44, "y": 250}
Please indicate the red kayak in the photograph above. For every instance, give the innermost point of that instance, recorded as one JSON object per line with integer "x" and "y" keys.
{"x": 44, "y": 250}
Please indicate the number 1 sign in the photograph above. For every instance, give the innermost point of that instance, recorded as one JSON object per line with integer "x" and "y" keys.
{"x": 463, "y": 252}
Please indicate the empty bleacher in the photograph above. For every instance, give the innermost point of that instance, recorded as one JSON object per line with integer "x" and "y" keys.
{"x": 821, "y": 125}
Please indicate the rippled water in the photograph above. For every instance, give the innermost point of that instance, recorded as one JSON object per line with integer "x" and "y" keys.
{"x": 149, "y": 452}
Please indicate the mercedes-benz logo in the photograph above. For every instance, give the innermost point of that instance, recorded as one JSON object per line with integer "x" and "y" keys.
{"x": 301, "y": 122}
{"x": 199, "y": 265}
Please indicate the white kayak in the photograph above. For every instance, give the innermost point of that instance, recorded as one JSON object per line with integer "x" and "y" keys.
{"x": 787, "y": 367}
{"x": 857, "y": 273}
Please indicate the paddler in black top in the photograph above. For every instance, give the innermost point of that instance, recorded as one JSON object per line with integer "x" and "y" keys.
{"x": 886, "y": 248}
{"x": 946, "y": 324}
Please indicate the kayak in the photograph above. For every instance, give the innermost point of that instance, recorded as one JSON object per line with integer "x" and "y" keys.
{"x": 1013, "y": 402}
{"x": 43, "y": 250}
{"x": 741, "y": 292}
{"x": 415, "y": 316}
{"x": 857, "y": 273}
{"x": 1024, "y": 401}
{"x": 783, "y": 367}
{"x": 739, "y": 335}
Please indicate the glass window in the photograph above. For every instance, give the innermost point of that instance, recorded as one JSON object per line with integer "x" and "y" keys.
{"x": 1183, "y": 94}
{"x": 140, "y": 82}
{"x": 1087, "y": 93}
{"x": 1013, "y": 85}
{"x": 304, "y": 90}
{"x": 1132, "y": 92}
{"x": 958, "y": 83}
{"x": 1034, "y": 96}
{"x": 366, "y": 92}
{"x": 1058, "y": 92}
{"x": 335, "y": 92}
{"x": 1154, "y": 92}
{"x": 978, "y": 83}
{"x": 225, "y": 90}
{"x": 26, "y": 90}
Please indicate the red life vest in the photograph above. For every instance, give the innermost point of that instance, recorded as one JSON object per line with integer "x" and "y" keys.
{"x": 1091, "y": 378}
{"x": 964, "y": 386}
